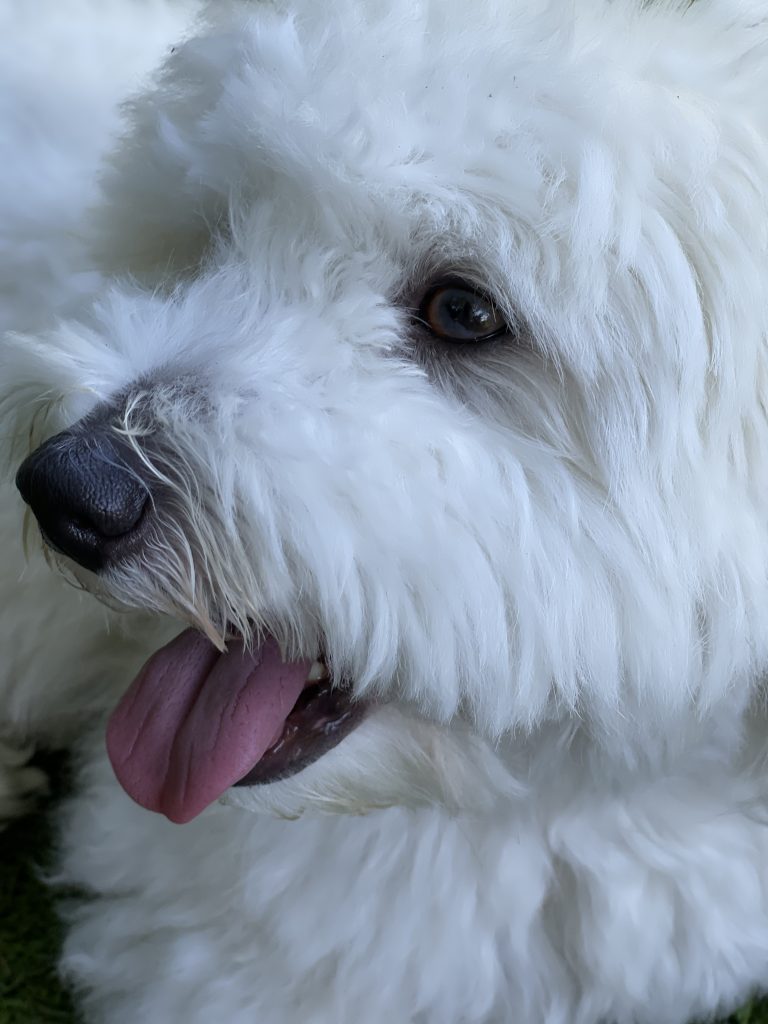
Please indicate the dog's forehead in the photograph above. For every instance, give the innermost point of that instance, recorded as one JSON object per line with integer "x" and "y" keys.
{"x": 413, "y": 117}
{"x": 368, "y": 129}
{"x": 348, "y": 151}
{"x": 357, "y": 103}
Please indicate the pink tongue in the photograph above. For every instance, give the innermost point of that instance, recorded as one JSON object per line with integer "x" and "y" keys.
{"x": 195, "y": 721}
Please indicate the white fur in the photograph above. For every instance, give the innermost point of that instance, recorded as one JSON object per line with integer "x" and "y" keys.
{"x": 546, "y": 560}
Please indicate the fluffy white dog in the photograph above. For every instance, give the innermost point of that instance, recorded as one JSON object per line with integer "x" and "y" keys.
{"x": 403, "y": 390}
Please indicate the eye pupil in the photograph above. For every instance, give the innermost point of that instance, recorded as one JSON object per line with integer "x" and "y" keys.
{"x": 466, "y": 313}
{"x": 457, "y": 312}
{"x": 459, "y": 309}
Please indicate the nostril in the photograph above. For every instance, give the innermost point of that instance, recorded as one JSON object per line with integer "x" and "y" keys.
{"x": 88, "y": 499}
{"x": 113, "y": 505}
{"x": 111, "y": 523}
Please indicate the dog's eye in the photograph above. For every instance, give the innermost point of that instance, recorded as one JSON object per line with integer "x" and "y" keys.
{"x": 455, "y": 311}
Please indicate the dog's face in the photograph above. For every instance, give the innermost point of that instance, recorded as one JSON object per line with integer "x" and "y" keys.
{"x": 441, "y": 365}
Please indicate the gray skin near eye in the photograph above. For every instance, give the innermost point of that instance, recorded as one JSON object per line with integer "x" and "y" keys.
{"x": 459, "y": 314}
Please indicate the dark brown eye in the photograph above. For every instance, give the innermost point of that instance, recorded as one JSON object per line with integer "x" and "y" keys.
{"x": 455, "y": 311}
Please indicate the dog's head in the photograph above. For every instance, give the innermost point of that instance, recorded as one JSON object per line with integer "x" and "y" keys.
{"x": 429, "y": 384}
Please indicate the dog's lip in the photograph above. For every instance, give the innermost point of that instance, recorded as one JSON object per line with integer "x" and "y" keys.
{"x": 324, "y": 714}
{"x": 321, "y": 718}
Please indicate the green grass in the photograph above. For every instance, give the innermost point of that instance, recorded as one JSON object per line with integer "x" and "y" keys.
{"x": 29, "y": 931}
{"x": 30, "y": 935}
{"x": 754, "y": 1013}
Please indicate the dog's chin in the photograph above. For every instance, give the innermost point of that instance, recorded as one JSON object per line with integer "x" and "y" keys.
{"x": 392, "y": 759}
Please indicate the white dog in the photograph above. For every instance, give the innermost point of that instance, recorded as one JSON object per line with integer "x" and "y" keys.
{"x": 408, "y": 372}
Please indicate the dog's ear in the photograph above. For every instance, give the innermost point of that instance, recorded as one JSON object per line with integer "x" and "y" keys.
{"x": 164, "y": 188}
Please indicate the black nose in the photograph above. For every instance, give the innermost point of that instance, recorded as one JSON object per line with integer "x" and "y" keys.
{"x": 87, "y": 496}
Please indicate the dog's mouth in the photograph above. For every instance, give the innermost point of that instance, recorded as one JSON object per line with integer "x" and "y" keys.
{"x": 196, "y": 721}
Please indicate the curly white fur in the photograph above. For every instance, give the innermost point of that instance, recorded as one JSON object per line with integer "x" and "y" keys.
{"x": 547, "y": 560}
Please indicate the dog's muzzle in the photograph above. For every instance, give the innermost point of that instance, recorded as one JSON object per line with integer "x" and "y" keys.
{"x": 87, "y": 493}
